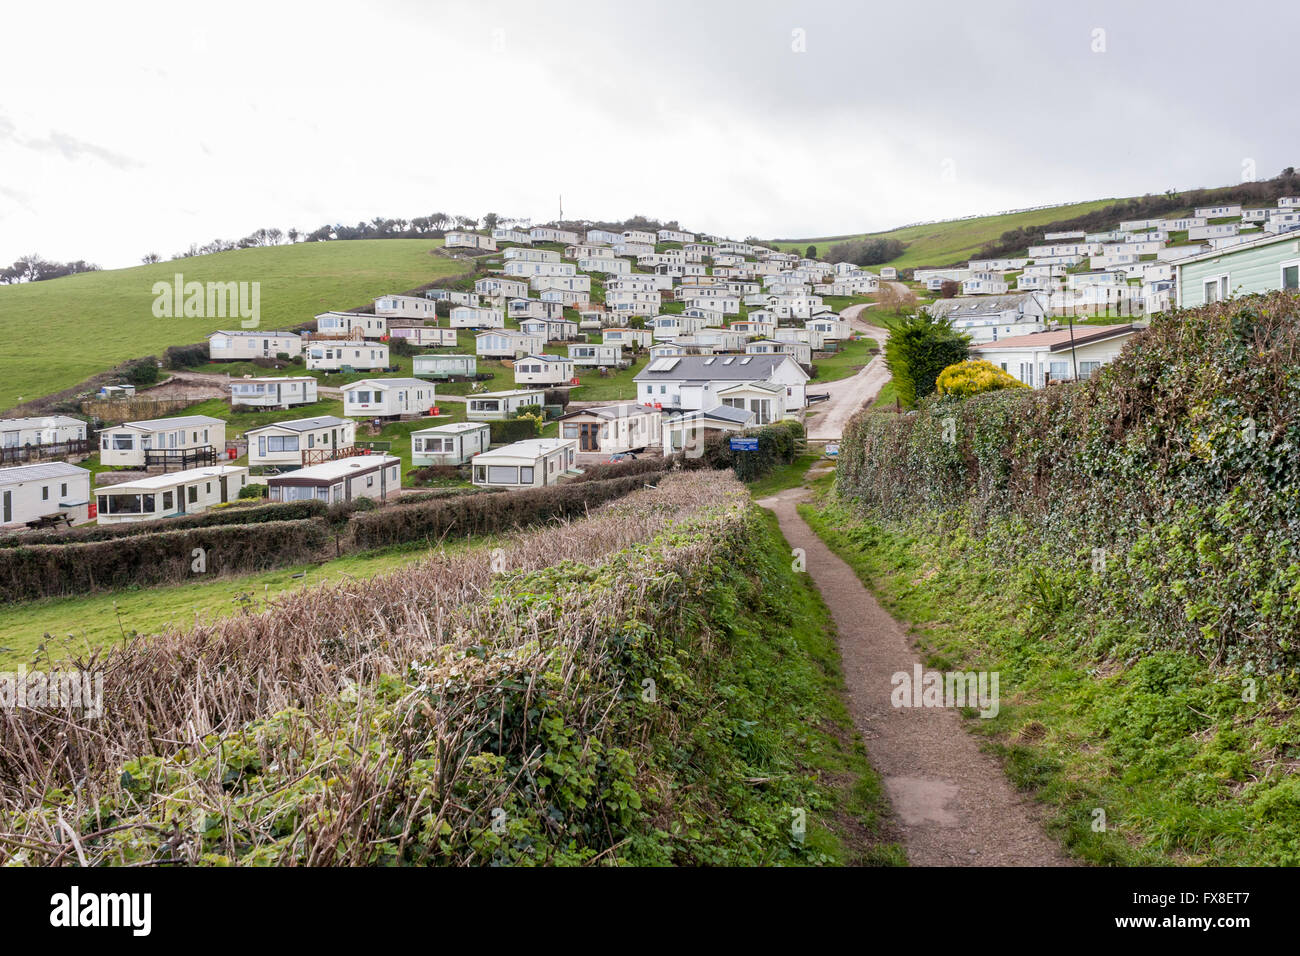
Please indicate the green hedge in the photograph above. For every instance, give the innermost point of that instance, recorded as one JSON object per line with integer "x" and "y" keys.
{"x": 163, "y": 558}
{"x": 475, "y": 515}
{"x": 1164, "y": 494}
{"x": 290, "y": 511}
{"x": 512, "y": 430}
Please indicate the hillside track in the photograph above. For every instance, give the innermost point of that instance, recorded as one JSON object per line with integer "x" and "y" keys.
{"x": 849, "y": 395}
{"x": 952, "y": 802}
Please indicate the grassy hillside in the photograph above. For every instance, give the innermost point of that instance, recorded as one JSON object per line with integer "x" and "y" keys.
{"x": 947, "y": 243}
{"x": 55, "y": 334}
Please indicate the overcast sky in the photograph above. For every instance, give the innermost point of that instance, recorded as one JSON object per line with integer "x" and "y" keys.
{"x": 136, "y": 127}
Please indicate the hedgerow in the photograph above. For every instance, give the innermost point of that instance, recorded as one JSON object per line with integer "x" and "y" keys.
{"x": 1167, "y": 488}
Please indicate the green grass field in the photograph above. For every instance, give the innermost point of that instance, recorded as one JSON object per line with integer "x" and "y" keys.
{"x": 946, "y": 243}
{"x": 88, "y": 323}
{"x": 847, "y": 361}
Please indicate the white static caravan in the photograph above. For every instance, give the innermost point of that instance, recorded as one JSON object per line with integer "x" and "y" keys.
{"x": 472, "y": 317}
{"x": 444, "y": 366}
{"x": 336, "y": 356}
{"x": 339, "y": 481}
{"x": 188, "y": 492}
{"x": 499, "y": 287}
{"x": 611, "y": 429}
{"x": 801, "y": 352}
{"x": 469, "y": 240}
{"x": 451, "y": 444}
{"x": 498, "y": 406}
{"x": 831, "y": 327}
{"x": 227, "y": 346}
{"x": 406, "y": 307}
{"x": 351, "y": 325}
{"x": 507, "y": 343}
{"x": 290, "y": 444}
{"x": 670, "y": 326}
{"x": 548, "y": 234}
{"x": 628, "y": 338}
{"x": 815, "y": 339}
{"x": 47, "y": 430}
{"x": 531, "y": 255}
{"x": 504, "y": 234}
{"x": 543, "y": 369}
{"x": 30, "y": 492}
{"x": 273, "y": 392}
{"x": 526, "y": 464}
{"x": 387, "y": 397}
{"x": 452, "y": 297}
{"x": 125, "y": 445}
{"x": 425, "y": 336}
{"x": 597, "y": 356}
{"x": 525, "y": 268}
{"x": 553, "y": 330}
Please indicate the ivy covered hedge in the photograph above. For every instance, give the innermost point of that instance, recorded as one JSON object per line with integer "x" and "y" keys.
{"x": 1166, "y": 490}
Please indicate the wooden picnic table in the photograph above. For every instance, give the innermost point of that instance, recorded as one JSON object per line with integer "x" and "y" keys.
{"x": 50, "y": 521}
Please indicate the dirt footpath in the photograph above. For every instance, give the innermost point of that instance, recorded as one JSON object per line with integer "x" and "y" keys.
{"x": 953, "y": 803}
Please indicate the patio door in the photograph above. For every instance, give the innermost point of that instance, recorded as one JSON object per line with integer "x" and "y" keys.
{"x": 8, "y": 507}
{"x": 588, "y": 437}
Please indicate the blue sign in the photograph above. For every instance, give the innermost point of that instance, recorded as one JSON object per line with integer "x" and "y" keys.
{"x": 744, "y": 444}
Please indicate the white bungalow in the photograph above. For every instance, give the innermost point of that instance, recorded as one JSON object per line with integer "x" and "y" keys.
{"x": 451, "y": 444}
{"x": 236, "y": 346}
{"x": 507, "y": 343}
{"x": 532, "y": 463}
{"x": 611, "y": 429}
{"x": 342, "y": 356}
{"x": 273, "y": 392}
{"x": 183, "y": 440}
{"x": 597, "y": 355}
{"x": 498, "y": 406}
{"x": 188, "y": 492}
{"x": 301, "y": 441}
{"x": 387, "y": 397}
{"x": 472, "y": 317}
{"x": 544, "y": 369}
{"x": 1043, "y": 357}
{"x": 44, "y": 490}
{"x": 340, "y": 480}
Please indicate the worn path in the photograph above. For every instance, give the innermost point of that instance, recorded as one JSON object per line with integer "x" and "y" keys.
{"x": 952, "y": 802}
{"x": 848, "y": 395}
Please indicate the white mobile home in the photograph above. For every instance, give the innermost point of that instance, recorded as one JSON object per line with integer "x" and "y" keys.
{"x": 184, "y": 440}
{"x": 499, "y": 287}
{"x": 406, "y": 307}
{"x": 336, "y": 325}
{"x": 470, "y": 240}
{"x": 451, "y": 444}
{"x": 543, "y": 370}
{"x": 303, "y": 441}
{"x": 273, "y": 392}
{"x": 502, "y": 234}
{"x": 611, "y": 429}
{"x": 425, "y": 336}
{"x": 526, "y": 464}
{"x": 342, "y": 356}
{"x": 548, "y": 234}
{"x": 498, "y": 406}
{"x": 188, "y": 492}
{"x": 628, "y": 338}
{"x": 471, "y": 317}
{"x": 226, "y": 346}
{"x": 444, "y": 366}
{"x": 801, "y": 352}
{"x": 47, "y": 430}
{"x": 597, "y": 355}
{"x": 553, "y": 330}
{"x": 33, "y": 492}
{"x": 339, "y": 481}
{"x": 387, "y": 397}
{"x": 507, "y": 343}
